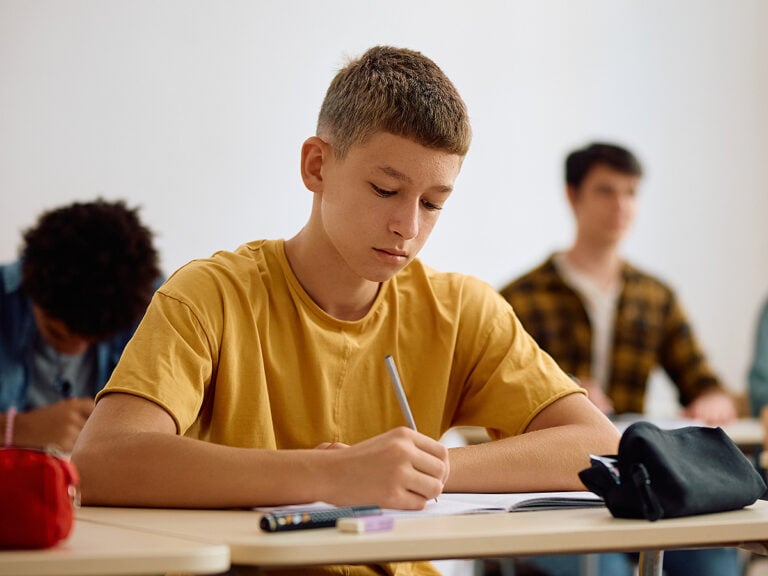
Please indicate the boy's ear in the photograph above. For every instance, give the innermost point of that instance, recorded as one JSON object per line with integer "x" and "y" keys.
{"x": 314, "y": 154}
{"x": 572, "y": 193}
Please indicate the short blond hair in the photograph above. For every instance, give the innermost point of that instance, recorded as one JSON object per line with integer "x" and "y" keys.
{"x": 398, "y": 91}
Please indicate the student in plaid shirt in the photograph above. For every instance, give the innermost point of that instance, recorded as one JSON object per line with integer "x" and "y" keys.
{"x": 609, "y": 324}
{"x": 605, "y": 322}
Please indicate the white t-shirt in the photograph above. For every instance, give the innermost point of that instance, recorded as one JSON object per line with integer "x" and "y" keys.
{"x": 600, "y": 303}
{"x": 54, "y": 376}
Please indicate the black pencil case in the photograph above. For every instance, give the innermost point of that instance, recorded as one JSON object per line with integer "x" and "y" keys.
{"x": 671, "y": 473}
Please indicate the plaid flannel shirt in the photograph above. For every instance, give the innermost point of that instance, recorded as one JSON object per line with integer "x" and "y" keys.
{"x": 650, "y": 329}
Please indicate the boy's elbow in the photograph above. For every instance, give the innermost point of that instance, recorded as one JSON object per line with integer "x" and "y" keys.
{"x": 91, "y": 465}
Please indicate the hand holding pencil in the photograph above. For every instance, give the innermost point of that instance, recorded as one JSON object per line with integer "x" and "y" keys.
{"x": 402, "y": 399}
{"x": 401, "y": 468}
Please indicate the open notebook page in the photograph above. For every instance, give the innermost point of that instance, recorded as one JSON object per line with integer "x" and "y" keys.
{"x": 474, "y": 503}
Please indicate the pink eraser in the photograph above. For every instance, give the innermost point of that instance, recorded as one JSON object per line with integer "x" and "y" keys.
{"x": 360, "y": 524}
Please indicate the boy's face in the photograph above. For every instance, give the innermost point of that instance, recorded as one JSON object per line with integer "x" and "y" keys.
{"x": 58, "y": 335}
{"x": 604, "y": 204}
{"x": 379, "y": 204}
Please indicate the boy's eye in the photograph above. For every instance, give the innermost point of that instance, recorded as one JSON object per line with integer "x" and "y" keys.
{"x": 430, "y": 205}
{"x": 381, "y": 192}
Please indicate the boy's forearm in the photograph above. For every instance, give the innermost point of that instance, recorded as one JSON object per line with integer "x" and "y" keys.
{"x": 397, "y": 469}
{"x": 540, "y": 461}
{"x": 161, "y": 470}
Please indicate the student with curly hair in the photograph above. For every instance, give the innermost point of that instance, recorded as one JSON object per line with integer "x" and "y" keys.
{"x": 68, "y": 307}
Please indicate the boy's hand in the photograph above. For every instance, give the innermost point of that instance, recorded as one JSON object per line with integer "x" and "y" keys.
{"x": 399, "y": 469}
{"x": 713, "y": 408}
{"x": 59, "y": 424}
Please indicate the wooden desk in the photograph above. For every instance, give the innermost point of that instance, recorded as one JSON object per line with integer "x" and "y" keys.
{"x": 431, "y": 538}
{"x": 747, "y": 433}
{"x": 112, "y": 550}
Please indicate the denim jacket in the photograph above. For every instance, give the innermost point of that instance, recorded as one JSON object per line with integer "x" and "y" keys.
{"x": 18, "y": 333}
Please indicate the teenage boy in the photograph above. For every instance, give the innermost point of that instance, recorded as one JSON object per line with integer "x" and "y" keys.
{"x": 609, "y": 324}
{"x": 68, "y": 306}
{"x": 604, "y": 321}
{"x": 250, "y": 365}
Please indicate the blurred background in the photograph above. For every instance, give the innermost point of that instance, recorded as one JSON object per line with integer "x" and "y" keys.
{"x": 196, "y": 111}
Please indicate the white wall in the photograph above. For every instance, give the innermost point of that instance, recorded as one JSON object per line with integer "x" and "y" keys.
{"x": 196, "y": 110}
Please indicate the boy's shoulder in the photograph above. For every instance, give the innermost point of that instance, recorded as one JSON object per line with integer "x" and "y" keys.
{"x": 418, "y": 269}
{"x": 10, "y": 277}
{"x": 645, "y": 287}
{"x": 635, "y": 276}
{"x": 244, "y": 255}
{"x": 541, "y": 278}
{"x": 419, "y": 278}
{"x": 256, "y": 258}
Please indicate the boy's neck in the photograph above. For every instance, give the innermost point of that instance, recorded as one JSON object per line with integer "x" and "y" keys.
{"x": 327, "y": 280}
{"x": 601, "y": 263}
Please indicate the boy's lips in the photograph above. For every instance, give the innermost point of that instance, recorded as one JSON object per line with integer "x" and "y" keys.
{"x": 392, "y": 253}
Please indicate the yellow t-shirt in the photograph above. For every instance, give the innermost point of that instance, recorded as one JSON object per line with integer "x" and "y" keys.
{"x": 237, "y": 353}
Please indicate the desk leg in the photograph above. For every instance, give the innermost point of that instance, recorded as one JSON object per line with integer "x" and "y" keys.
{"x": 651, "y": 562}
{"x": 588, "y": 565}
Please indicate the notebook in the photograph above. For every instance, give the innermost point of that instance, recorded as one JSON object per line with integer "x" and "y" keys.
{"x": 449, "y": 504}
{"x": 474, "y": 503}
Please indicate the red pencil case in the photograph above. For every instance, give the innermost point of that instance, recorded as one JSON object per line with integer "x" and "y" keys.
{"x": 38, "y": 494}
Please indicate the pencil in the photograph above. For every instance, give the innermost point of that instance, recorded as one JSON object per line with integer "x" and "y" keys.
{"x": 399, "y": 392}
{"x": 397, "y": 384}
